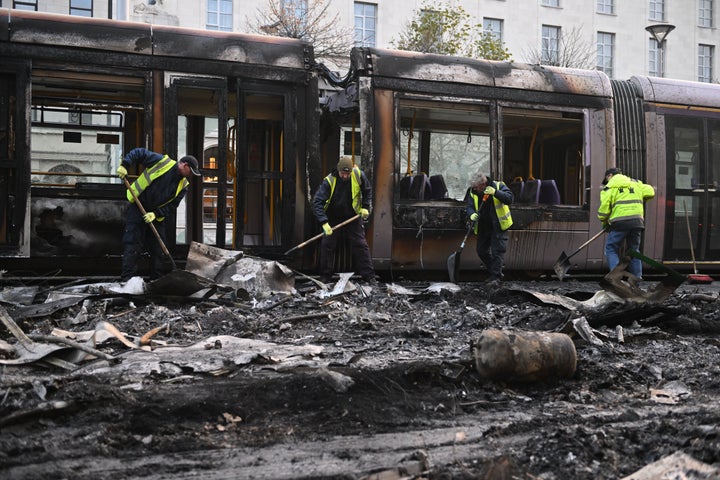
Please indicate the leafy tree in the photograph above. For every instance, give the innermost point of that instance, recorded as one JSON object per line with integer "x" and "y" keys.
{"x": 448, "y": 30}
{"x": 309, "y": 20}
{"x": 573, "y": 52}
{"x": 488, "y": 47}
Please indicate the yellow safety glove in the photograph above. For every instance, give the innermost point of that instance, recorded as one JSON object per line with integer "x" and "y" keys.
{"x": 327, "y": 229}
{"x": 122, "y": 171}
{"x": 474, "y": 217}
{"x": 149, "y": 217}
{"x": 489, "y": 191}
{"x": 364, "y": 213}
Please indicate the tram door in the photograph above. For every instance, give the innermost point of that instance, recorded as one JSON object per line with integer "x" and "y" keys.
{"x": 245, "y": 195}
{"x": 693, "y": 153}
{"x": 199, "y": 107}
{"x": 263, "y": 176}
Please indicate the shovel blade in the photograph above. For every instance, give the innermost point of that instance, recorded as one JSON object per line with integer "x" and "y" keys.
{"x": 562, "y": 265}
{"x": 453, "y": 264}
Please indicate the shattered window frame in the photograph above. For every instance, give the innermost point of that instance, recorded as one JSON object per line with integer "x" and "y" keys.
{"x": 449, "y": 138}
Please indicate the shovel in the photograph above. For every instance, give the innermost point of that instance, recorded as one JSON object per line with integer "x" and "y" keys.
{"x": 453, "y": 261}
{"x": 152, "y": 227}
{"x": 320, "y": 235}
{"x": 563, "y": 264}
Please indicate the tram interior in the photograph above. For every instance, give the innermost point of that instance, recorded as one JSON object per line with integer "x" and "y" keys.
{"x": 442, "y": 144}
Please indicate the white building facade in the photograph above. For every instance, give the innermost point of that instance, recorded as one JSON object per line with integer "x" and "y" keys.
{"x": 615, "y": 29}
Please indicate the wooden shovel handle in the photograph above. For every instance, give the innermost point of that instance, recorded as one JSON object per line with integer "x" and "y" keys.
{"x": 320, "y": 235}
{"x": 152, "y": 227}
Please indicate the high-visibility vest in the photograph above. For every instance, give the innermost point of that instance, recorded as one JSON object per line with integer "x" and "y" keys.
{"x": 149, "y": 175}
{"x": 623, "y": 198}
{"x": 355, "y": 178}
{"x": 501, "y": 210}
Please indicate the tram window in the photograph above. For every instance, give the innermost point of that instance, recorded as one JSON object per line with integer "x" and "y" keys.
{"x": 447, "y": 141}
{"x": 72, "y": 145}
{"x": 543, "y": 147}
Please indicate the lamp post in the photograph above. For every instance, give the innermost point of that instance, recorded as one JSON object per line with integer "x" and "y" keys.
{"x": 659, "y": 32}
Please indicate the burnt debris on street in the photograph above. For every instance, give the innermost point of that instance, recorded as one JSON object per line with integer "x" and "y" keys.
{"x": 239, "y": 367}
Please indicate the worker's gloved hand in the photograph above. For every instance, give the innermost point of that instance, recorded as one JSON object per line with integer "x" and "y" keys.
{"x": 327, "y": 229}
{"x": 122, "y": 171}
{"x": 489, "y": 191}
{"x": 474, "y": 217}
{"x": 364, "y": 213}
{"x": 149, "y": 217}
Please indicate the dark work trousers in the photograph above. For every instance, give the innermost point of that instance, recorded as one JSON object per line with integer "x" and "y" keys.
{"x": 491, "y": 247}
{"x": 139, "y": 238}
{"x": 355, "y": 233}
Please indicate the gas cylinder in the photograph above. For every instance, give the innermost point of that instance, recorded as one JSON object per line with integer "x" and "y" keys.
{"x": 524, "y": 356}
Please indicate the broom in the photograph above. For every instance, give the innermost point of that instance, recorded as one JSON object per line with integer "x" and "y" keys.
{"x": 694, "y": 277}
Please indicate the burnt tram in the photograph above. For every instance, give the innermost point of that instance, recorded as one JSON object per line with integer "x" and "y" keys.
{"x": 269, "y": 123}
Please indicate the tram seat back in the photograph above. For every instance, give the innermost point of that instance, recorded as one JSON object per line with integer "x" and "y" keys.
{"x": 404, "y": 187}
{"x": 516, "y": 187}
{"x": 549, "y": 192}
{"x": 420, "y": 188}
{"x": 415, "y": 187}
{"x": 437, "y": 187}
{"x": 530, "y": 192}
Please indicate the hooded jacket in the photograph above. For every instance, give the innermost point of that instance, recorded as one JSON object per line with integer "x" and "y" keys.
{"x": 622, "y": 203}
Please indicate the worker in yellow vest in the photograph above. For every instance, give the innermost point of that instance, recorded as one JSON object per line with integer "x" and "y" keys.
{"x": 487, "y": 205}
{"x": 160, "y": 187}
{"x": 622, "y": 213}
{"x": 344, "y": 193}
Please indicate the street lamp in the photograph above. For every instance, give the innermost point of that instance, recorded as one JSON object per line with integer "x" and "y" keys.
{"x": 659, "y": 32}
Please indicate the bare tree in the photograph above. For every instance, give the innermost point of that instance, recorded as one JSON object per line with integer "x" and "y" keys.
{"x": 308, "y": 20}
{"x": 572, "y": 51}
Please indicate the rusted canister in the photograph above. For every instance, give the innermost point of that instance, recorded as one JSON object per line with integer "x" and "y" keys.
{"x": 524, "y": 356}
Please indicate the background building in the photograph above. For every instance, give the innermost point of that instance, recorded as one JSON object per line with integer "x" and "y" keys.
{"x": 613, "y": 29}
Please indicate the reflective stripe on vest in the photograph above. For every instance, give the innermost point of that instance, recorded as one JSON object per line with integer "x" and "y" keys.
{"x": 501, "y": 210}
{"x": 149, "y": 175}
{"x": 355, "y": 178}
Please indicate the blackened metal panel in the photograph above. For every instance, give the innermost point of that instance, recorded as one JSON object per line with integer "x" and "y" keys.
{"x": 69, "y": 223}
{"x": 164, "y": 41}
{"x": 479, "y": 73}
{"x": 678, "y": 92}
{"x": 4, "y": 24}
{"x": 232, "y": 47}
{"x": 381, "y": 114}
{"x": 78, "y": 32}
{"x": 15, "y": 158}
{"x": 629, "y": 129}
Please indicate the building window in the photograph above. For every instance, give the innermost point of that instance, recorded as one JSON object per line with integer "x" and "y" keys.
{"x": 295, "y": 8}
{"x": 657, "y": 10}
{"x": 605, "y": 52}
{"x": 365, "y": 23}
{"x": 550, "y": 48}
{"x": 220, "y": 15}
{"x": 655, "y": 62}
{"x": 25, "y": 5}
{"x": 705, "y": 57}
{"x": 705, "y": 13}
{"x": 82, "y": 8}
{"x": 551, "y": 3}
{"x": 494, "y": 27}
{"x": 606, "y": 6}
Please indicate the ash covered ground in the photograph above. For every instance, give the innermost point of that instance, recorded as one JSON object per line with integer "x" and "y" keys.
{"x": 377, "y": 382}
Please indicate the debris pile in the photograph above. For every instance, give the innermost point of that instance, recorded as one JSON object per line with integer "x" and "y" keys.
{"x": 239, "y": 364}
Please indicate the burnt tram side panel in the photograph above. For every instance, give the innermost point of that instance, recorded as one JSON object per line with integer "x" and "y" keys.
{"x": 437, "y": 120}
{"x": 98, "y": 88}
